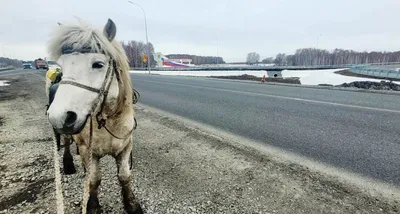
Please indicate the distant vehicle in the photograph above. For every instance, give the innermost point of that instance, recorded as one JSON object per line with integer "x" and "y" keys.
{"x": 27, "y": 65}
{"x": 52, "y": 64}
{"x": 40, "y": 64}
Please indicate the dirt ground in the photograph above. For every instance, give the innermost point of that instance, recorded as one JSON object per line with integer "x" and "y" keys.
{"x": 177, "y": 169}
{"x": 26, "y": 160}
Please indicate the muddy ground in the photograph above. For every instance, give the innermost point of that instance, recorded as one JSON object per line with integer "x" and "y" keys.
{"x": 177, "y": 169}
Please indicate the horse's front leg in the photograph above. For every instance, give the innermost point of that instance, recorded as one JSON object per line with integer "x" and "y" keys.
{"x": 68, "y": 160}
{"x": 125, "y": 179}
{"x": 84, "y": 154}
{"x": 93, "y": 205}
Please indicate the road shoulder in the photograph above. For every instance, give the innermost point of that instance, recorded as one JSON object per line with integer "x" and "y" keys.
{"x": 208, "y": 173}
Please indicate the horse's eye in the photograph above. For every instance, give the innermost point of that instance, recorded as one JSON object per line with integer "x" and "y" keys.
{"x": 98, "y": 65}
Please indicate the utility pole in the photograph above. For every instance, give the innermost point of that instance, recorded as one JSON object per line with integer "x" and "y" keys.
{"x": 147, "y": 39}
{"x": 217, "y": 49}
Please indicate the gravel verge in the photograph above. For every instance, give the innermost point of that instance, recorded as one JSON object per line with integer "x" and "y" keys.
{"x": 26, "y": 175}
{"x": 176, "y": 169}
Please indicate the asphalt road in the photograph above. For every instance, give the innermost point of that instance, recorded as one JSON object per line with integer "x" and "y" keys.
{"x": 353, "y": 130}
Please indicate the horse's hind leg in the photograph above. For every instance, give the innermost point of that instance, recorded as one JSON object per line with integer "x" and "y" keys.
{"x": 125, "y": 179}
{"x": 58, "y": 140}
{"x": 68, "y": 160}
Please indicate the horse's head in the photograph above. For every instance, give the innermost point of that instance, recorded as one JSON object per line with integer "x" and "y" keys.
{"x": 86, "y": 57}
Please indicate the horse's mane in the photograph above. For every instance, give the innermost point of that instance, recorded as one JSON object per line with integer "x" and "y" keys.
{"x": 77, "y": 36}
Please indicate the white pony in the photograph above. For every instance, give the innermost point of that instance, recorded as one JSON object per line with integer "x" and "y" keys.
{"x": 93, "y": 103}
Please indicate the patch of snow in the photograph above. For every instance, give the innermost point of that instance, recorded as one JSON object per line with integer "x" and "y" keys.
{"x": 4, "y": 83}
{"x": 315, "y": 77}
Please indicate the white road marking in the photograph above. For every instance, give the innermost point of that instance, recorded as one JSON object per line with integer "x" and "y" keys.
{"x": 279, "y": 97}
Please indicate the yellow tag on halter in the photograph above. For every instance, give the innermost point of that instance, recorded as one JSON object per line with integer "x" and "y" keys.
{"x": 52, "y": 74}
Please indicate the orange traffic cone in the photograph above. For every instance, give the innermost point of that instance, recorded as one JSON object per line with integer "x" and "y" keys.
{"x": 263, "y": 78}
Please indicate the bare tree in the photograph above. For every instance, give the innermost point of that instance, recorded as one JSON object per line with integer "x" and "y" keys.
{"x": 135, "y": 52}
{"x": 268, "y": 60}
{"x": 280, "y": 59}
{"x": 4, "y": 62}
{"x": 252, "y": 58}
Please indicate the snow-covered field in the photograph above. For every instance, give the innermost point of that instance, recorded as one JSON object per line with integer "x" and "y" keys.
{"x": 315, "y": 77}
{"x": 307, "y": 77}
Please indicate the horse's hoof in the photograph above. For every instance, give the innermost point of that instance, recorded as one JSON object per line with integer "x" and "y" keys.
{"x": 93, "y": 206}
{"x": 94, "y": 211}
{"x": 69, "y": 170}
{"x": 68, "y": 165}
{"x": 136, "y": 209}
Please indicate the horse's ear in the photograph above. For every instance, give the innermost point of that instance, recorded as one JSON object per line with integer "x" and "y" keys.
{"x": 59, "y": 23}
{"x": 110, "y": 30}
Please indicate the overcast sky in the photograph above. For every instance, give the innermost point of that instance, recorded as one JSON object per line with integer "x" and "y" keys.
{"x": 185, "y": 26}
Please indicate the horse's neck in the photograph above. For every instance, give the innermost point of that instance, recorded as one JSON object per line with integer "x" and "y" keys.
{"x": 120, "y": 108}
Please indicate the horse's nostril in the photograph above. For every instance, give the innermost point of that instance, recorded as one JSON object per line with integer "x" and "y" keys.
{"x": 70, "y": 119}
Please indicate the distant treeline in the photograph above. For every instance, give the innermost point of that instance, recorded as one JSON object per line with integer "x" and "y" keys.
{"x": 135, "y": 51}
{"x": 5, "y": 62}
{"x": 313, "y": 56}
{"x": 198, "y": 60}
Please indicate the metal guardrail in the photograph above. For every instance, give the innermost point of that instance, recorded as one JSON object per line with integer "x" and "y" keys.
{"x": 376, "y": 72}
{"x": 7, "y": 68}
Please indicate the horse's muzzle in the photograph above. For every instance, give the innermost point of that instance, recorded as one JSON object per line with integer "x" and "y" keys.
{"x": 70, "y": 125}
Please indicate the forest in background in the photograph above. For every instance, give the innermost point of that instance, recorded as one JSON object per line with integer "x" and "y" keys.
{"x": 313, "y": 56}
